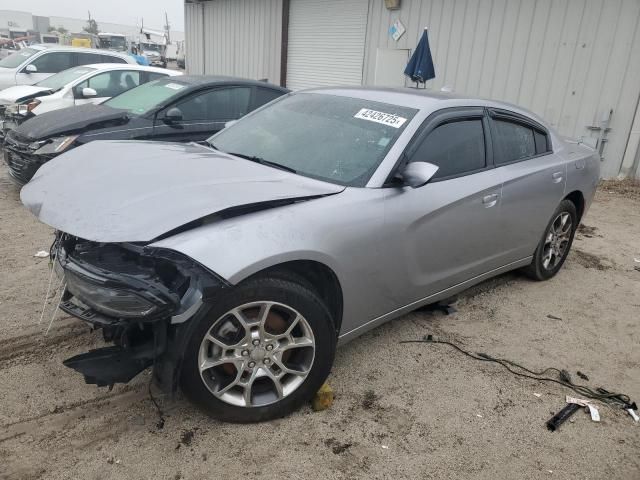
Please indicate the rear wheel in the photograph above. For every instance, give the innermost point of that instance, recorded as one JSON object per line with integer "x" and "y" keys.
{"x": 261, "y": 351}
{"x": 555, "y": 244}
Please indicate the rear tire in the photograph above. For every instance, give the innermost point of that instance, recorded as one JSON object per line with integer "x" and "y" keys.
{"x": 260, "y": 372}
{"x": 555, "y": 243}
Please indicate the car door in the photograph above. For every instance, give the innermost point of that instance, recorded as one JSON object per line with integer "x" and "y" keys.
{"x": 447, "y": 231}
{"x": 46, "y": 65}
{"x": 203, "y": 113}
{"x": 107, "y": 85}
{"x": 533, "y": 179}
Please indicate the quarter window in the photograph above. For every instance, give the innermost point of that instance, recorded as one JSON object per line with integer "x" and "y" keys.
{"x": 542, "y": 143}
{"x": 456, "y": 147}
{"x": 514, "y": 141}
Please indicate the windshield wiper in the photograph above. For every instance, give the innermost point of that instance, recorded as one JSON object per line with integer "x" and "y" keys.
{"x": 262, "y": 161}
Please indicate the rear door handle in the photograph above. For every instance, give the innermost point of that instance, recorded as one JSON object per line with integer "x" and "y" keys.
{"x": 490, "y": 200}
{"x": 557, "y": 177}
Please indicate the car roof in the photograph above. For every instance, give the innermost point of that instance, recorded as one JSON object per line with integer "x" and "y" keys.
{"x": 127, "y": 66}
{"x": 66, "y": 48}
{"x": 200, "y": 80}
{"x": 421, "y": 99}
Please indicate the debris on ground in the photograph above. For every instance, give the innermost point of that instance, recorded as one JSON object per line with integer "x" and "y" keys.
{"x": 633, "y": 414}
{"x": 582, "y": 375}
{"x": 337, "y": 447}
{"x": 323, "y": 398}
{"x": 595, "y": 415}
{"x": 587, "y": 231}
{"x": 553, "y": 317}
{"x": 369, "y": 400}
{"x": 41, "y": 254}
{"x": 563, "y": 415}
{"x": 537, "y": 395}
{"x": 187, "y": 437}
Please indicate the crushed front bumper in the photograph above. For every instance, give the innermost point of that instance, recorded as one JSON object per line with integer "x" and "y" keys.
{"x": 102, "y": 278}
{"x": 22, "y": 160}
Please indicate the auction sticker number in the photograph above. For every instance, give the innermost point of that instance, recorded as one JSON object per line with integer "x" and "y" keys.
{"x": 389, "y": 119}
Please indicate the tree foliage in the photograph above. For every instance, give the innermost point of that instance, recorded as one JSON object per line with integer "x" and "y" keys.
{"x": 92, "y": 27}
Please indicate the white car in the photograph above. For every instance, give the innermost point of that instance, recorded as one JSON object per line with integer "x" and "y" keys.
{"x": 37, "y": 62}
{"x": 76, "y": 86}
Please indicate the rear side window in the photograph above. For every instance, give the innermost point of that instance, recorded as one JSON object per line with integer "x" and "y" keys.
{"x": 457, "y": 148}
{"x": 265, "y": 95}
{"x": 514, "y": 142}
{"x": 53, "y": 62}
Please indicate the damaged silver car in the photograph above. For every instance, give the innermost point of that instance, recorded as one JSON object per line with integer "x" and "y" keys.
{"x": 236, "y": 267}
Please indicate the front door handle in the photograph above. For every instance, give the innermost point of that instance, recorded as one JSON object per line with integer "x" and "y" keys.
{"x": 490, "y": 200}
{"x": 557, "y": 177}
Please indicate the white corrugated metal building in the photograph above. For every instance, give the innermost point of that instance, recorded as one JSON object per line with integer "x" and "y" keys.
{"x": 574, "y": 62}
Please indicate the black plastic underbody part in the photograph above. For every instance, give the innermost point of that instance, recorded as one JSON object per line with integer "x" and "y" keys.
{"x": 563, "y": 415}
{"x": 106, "y": 366}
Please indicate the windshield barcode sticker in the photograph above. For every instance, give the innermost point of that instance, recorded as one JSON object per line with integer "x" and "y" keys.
{"x": 174, "y": 86}
{"x": 380, "y": 117}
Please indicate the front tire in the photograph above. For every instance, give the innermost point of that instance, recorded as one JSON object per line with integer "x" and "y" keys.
{"x": 555, "y": 243}
{"x": 260, "y": 352}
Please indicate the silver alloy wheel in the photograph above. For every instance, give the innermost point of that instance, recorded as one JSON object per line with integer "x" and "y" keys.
{"x": 557, "y": 241}
{"x": 256, "y": 354}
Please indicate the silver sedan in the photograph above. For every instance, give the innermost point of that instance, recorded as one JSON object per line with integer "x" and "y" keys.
{"x": 237, "y": 266}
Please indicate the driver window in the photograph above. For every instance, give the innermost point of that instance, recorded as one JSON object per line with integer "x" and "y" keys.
{"x": 110, "y": 84}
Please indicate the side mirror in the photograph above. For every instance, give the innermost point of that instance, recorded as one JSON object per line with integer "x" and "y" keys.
{"x": 229, "y": 123}
{"x": 172, "y": 115}
{"x": 31, "y": 68}
{"x": 416, "y": 174}
{"x": 89, "y": 92}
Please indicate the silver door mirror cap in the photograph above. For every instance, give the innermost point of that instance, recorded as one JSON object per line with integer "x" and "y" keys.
{"x": 417, "y": 174}
{"x": 31, "y": 68}
{"x": 89, "y": 92}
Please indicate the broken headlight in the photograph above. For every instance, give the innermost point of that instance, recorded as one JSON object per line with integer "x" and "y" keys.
{"x": 57, "y": 145}
{"x": 109, "y": 301}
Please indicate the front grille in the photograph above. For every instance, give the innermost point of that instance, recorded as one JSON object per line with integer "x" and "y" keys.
{"x": 22, "y": 162}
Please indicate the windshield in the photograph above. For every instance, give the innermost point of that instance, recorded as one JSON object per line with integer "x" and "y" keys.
{"x": 59, "y": 80}
{"x": 144, "y": 98}
{"x": 115, "y": 43}
{"x": 16, "y": 59}
{"x": 338, "y": 139}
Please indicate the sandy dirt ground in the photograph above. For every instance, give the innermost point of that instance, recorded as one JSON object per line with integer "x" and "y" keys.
{"x": 401, "y": 411}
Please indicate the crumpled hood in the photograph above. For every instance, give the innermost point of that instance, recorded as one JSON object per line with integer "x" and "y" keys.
{"x": 13, "y": 94}
{"x": 70, "y": 120}
{"x": 128, "y": 191}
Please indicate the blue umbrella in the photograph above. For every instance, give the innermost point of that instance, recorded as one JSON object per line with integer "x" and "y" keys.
{"x": 420, "y": 67}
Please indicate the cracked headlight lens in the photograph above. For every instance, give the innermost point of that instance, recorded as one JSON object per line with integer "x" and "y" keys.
{"x": 109, "y": 301}
{"x": 56, "y": 145}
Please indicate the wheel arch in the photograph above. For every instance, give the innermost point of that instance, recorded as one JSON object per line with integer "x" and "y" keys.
{"x": 577, "y": 198}
{"x": 320, "y": 277}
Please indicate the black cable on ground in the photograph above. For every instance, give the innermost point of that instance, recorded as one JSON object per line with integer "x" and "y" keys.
{"x": 564, "y": 379}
